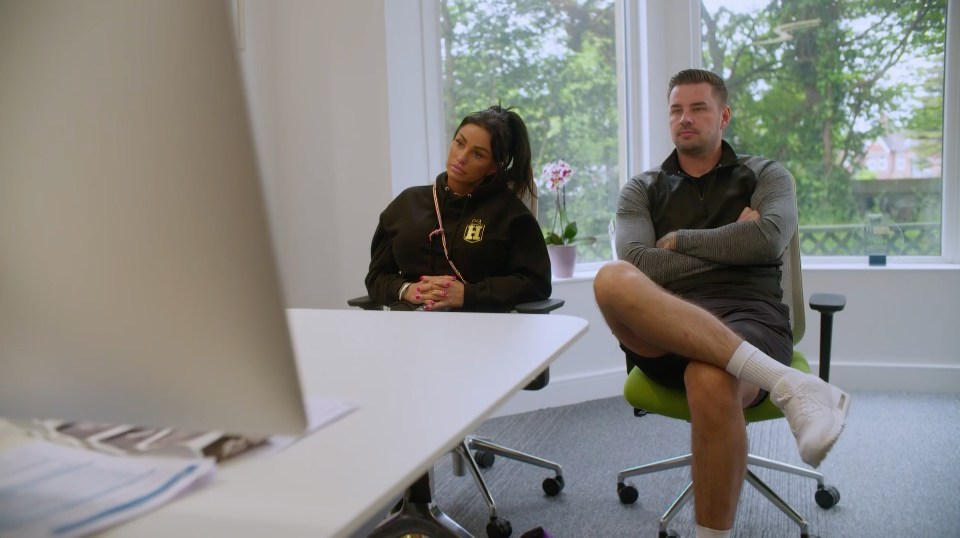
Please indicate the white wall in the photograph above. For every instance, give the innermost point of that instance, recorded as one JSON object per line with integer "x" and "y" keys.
{"x": 900, "y": 330}
{"x": 317, "y": 77}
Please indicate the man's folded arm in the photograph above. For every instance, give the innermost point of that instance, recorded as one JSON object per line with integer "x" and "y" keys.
{"x": 751, "y": 242}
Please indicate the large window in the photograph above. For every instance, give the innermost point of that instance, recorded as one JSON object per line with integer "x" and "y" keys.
{"x": 555, "y": 62}
{"x": 848, "y": 95}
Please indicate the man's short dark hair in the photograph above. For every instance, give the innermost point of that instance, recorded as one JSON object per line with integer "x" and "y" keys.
{"x": 697, "y": 76}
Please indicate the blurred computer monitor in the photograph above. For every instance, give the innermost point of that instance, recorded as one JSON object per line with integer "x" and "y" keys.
{"x": 137, "y": 277}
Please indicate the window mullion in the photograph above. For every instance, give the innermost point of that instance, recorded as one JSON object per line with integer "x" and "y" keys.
{"x": 950, "y": 237}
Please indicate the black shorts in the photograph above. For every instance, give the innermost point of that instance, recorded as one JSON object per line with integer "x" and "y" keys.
{"x": 763, "y": 324}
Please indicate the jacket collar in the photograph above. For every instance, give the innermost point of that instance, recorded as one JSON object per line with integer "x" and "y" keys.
{"x": 728, "y": 157}
{"x": 486, "y": 189}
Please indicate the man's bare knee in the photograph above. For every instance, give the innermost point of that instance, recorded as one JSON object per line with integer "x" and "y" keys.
{"x": 711, "y": 389}
{"x": 610, "y": 276}
{"x": 615, "y": 279}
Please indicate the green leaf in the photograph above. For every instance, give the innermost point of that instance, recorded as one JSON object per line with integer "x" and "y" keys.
{"x": 570, "y": 232}
{"x": 553, "y": 239}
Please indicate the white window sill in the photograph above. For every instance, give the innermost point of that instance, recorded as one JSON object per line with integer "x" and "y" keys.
{"x": 906, "y": 263}
{"x": 585, "y": 272}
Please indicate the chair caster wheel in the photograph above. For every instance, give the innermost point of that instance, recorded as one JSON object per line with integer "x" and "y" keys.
{"x": 827, "y": 497}
{"x": 484, "y": 459}
{"x": 627, "y": 493}
{"x": 499, "y": 528}
{"x": 669, "y": 533}
{"x": 552, "y": 486}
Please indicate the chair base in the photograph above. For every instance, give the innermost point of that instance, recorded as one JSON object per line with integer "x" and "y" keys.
{"x": 628, "y": 494}
{"x": 552, "y": 486}
{"x": 417, "y": 513}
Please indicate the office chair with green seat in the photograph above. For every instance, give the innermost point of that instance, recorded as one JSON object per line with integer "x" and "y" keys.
{"x": 647, "y": 396}
{"x": 417, "y": 512}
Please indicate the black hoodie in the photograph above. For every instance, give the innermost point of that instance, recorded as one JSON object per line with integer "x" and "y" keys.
{"x": 492, "y": 237}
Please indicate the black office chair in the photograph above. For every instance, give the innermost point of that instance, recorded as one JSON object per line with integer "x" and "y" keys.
{"x": 646, "y": 396}
{"x": 417, "y": 512}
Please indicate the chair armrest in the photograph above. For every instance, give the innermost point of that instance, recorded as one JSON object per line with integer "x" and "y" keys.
{"x": 364, "y": 302}
{"x": 539, "y": 307}
{"x": 539, "y": 382}
{"x": 536, "y": 307}
{"x": 827, "y": 304}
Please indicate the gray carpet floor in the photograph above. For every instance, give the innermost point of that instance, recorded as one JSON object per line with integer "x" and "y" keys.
{"x": 897, "y": 468}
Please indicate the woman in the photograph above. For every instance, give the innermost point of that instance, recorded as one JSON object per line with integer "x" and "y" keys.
{"x": 467, "y": 242}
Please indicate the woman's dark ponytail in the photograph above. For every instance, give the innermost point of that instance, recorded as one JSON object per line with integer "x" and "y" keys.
{"x": 521, "y": 168}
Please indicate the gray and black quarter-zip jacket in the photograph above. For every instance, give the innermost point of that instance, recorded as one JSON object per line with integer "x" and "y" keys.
{"x": 492, "y": 237}
{"x": 715, "y": 255}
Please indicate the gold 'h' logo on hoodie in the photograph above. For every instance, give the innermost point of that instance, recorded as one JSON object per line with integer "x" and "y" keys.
{"x": 473, "y": 233}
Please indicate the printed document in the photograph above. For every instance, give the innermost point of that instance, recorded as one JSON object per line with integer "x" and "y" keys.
{"x": 52, "y": 490}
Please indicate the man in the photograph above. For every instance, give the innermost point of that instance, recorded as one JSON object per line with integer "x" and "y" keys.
{"x": 696, "y": 301}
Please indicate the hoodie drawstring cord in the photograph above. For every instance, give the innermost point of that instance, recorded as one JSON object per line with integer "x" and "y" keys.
{"x": 443, "y": 236}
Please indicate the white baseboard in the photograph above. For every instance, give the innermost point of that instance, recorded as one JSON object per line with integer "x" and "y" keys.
{"x": 849, "y": 376}
{"x": 566, "y": 391}
{"x": 902, "y": 377}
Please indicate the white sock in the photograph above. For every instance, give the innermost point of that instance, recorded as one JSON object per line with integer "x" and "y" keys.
{"x": 754, "y": 366}
{"x": 704, "y": 532}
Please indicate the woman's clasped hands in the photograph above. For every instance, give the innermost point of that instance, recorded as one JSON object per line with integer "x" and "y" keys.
{"x": 436, "y": 292}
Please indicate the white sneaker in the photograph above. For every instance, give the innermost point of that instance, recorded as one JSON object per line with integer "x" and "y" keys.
{"x": 815, "y": 410}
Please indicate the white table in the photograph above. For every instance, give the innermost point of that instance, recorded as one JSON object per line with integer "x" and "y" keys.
{"x": 421, "y": 380}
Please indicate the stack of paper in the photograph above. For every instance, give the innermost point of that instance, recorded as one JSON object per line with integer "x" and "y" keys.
{"x": 74, "y": 479}
{"x": 52, "y": 490}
